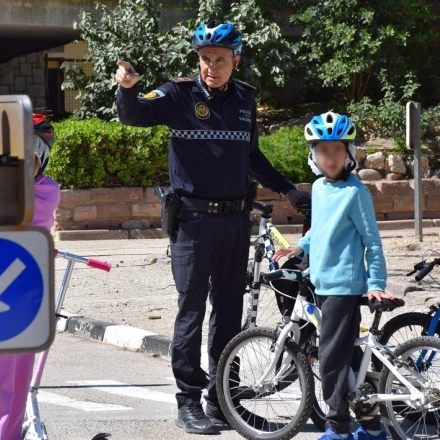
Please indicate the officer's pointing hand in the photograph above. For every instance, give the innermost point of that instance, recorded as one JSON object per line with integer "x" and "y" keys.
{"x": 126, "y": 76}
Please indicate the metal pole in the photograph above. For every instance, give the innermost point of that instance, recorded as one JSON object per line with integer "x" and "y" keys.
{"x": 414, "y": 141}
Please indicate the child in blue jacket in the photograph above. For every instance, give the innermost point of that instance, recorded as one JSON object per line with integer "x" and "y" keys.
{"x": 344, "y": 234}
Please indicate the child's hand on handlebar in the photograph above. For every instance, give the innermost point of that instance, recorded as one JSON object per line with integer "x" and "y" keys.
{"x": 289, "y": 253}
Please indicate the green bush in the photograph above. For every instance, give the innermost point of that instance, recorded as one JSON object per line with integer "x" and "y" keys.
{"x": 387, "y": 118}
{"x": 95, "y": 154}
{"x": 288, "y": 152}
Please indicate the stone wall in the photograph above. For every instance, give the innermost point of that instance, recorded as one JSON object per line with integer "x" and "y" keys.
{"x": 25, "y": 75}
{"x": 387, "y": 164}
{"x": 138, "y": 208}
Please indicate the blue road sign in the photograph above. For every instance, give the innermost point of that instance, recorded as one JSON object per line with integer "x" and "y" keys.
{"x": 21, "y": 289}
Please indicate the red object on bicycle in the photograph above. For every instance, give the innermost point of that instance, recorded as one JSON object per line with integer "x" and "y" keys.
{"x": 97, "y": 264}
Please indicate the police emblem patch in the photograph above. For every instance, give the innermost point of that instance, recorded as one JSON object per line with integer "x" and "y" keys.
{"x": 154, "y": 94}
{"x": 202, "y": 111}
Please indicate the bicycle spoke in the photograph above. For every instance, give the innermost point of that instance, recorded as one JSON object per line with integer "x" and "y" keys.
{"x": 421, "y": 367}
{"x": 264, "y": 407}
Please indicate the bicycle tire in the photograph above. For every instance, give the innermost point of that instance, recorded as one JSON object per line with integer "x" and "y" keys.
{"x": 387, "y": 377}
{"x": 226, "y": 399}
{"x": 409, "y": 320}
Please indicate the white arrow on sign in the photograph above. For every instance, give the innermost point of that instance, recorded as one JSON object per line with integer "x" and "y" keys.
{"x": 8, "y": 277}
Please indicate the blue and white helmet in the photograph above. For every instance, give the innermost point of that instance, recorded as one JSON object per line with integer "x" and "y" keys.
{"x": 218, "y": 35}
{"x": 331, "y": 126}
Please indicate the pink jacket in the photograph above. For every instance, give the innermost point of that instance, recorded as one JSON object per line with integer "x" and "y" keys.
{"x": 47, "y": 199}
{"x": 16, "y": 370}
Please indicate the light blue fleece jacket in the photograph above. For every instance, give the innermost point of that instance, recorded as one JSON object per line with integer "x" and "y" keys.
{"x": 343, "y": 235}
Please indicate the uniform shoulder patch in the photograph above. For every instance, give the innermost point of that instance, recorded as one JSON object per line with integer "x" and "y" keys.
{"x": 245, "y": 85}
{"x": 154, "y": 94}
{"x": 181, "y": 79}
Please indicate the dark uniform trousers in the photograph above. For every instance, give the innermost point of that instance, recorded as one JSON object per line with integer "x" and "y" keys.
{"x": 216, "y": 247}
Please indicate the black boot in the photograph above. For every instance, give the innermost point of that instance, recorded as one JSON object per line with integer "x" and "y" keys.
{"x": 193, "y": 420}
{"x": 215, "y": 414}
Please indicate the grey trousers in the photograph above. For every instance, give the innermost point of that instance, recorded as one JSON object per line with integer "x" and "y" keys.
{"x": 341, "y": 318}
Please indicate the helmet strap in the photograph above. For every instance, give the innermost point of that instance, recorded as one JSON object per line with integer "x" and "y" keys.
{"x": 209, "y": 92}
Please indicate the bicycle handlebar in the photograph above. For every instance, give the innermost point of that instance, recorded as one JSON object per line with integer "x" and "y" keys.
{"x": 422, "y": 274}
{"x": 91, "y": 262}
{"x": 424, "y": 268}
{"x": 280, "y": 273}
{"x": 97, "y": 264}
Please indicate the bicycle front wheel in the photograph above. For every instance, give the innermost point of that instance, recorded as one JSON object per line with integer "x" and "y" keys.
{"x": 419, "y": 364}
{"x": 264, "y": 410}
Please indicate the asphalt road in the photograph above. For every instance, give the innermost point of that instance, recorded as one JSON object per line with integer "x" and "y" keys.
{"x": 90, "y": 387}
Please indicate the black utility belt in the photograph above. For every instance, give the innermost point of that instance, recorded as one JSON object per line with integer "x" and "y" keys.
{"x": 172, "y": 205}
{"x": 214, "y": 206}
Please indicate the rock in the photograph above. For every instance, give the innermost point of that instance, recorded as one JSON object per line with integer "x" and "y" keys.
{"x": 375, "y": 161}
{"x": 394, "y": 176}
{"x": 360, "y": 155}
{"x": 369, "y": 174}
{"x": 303, "y": 120}
{"x": 261, "y": 128}
{"x": 395, "y": 164}
{"x": 274, "y": 128}
{"x": 426, "y": 169}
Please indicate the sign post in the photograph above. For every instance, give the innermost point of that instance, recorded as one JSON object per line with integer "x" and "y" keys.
{"x": 27, "y": 316}
{"x": 414, "y": 142}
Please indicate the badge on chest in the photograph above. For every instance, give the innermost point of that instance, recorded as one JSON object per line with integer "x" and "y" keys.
{"x": 202, "y": 111}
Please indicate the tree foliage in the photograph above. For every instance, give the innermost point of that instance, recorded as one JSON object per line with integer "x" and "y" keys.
{"x": 130, "y": 32}
{"x": 345, "y": 41}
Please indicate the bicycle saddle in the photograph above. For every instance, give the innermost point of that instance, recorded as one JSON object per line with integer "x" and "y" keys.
{"x": 386, "y": 305}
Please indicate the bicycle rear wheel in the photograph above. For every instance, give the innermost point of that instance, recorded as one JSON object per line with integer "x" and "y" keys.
{"x": 420, "y": 365}
{"x": 264, "y": 411}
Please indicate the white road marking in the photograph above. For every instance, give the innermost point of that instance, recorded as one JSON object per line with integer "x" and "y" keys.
{"x": 121, "y": 389}
{"x": 56, "y": 399}
{"x": 8, "y": 277}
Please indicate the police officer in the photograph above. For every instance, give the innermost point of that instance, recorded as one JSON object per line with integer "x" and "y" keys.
{"x": 213, "y": 150}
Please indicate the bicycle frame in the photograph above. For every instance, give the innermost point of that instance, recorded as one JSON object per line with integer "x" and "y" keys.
{"x": 307, "y": 311}
{"x": 265, "y": 248}
{"x": 260, "y": 251}
{"x": 33, "y": 426}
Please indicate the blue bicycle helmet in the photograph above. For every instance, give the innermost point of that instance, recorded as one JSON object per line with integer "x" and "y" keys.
{"x": 331, "y": 126}
{"x": 218, "y": 35}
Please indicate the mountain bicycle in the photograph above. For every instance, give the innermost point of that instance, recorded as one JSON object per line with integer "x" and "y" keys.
{"x": 268, "y": 304}
{"x": 257, "y": 360}
{"x": 33, "y": 427}
{"x": 412, "y": 324}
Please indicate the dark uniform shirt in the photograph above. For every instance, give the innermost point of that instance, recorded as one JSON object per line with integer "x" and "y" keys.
{"x": 213, "y": 140}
